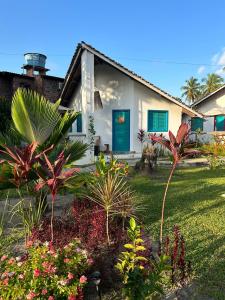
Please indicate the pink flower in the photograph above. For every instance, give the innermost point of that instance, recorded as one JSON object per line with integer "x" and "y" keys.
{"x": 6, "y": 281}
{"x": 37, "y": 273}
{"x": 70, "y": 275}
{"x": 31, "y": 296}
{"x": 90, "y": 261}
{"x": 11, "y": 261}
{"x": 44, "y": 292}
{"x": 83, "y": 279}
{"x": 66, "y": 260}
{"x": 72, "y": 297}
{"x": 21, "y": 276}
{"x": 45, "y": 264}
{"x": 51, "y": 298}
{"x": 4, "y": 257}
{"x": 29, "y": 244}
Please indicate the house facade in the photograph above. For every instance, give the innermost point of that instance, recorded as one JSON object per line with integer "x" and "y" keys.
{"x": 120, "y": 102}
{"x": 212, "y": 107}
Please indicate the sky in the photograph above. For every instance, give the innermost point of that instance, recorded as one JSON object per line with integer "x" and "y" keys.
{"x": 164, "y": 41}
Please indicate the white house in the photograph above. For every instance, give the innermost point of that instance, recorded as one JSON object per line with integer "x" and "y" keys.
{"x": 212, "y": 107}
{"x": 120, "y": 102}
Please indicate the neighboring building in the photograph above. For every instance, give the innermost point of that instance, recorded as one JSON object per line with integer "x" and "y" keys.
{"x": 35, "y": 79}
{"x": 212, "y": 107}
{"x": 120, "y": 101}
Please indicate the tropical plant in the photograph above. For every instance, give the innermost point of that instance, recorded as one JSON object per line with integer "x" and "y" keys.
{"x": 53, "y": 177}
{"x": 142, "y": 277}
{"x": 41, "y": 125}
{"x": 44, "y": 273}
{"x": 211, "y": 83}
{"x": 110, "y": 192}
{"x": 29, "y": 215}
{"x": 141, "y": 137}
{"x": 113, "y": 166}
{"x": 191, "y": 89}
{"x": 21, "y": 160}
{"x": 176, "y": 146}
{"x": 175, "y": 248}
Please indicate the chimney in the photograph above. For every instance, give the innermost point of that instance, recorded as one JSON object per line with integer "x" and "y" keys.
{"x": 35, "y": 62}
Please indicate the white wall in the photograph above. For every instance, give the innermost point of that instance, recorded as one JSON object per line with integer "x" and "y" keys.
{"x": 118, "y": 91}
{"x": 211, "y": 107}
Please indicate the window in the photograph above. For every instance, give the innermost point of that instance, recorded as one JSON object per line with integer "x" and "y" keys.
{"x": 196, "y": 123}
{"x": 219, "y": 123}
{"x": 79, "y": 123}
{"x": 157, "y": 120}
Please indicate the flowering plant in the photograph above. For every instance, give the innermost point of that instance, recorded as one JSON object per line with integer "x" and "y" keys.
{"x": 44, "y": 273}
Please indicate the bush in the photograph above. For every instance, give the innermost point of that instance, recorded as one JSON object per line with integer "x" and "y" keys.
{"x": 143, "y": 277}
{"x": 213, "y": 149}
{"x": 44, "y": 273}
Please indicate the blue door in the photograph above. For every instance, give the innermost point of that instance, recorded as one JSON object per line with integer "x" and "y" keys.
{"x": 219, "y": 123}
{"x": 121, "y": 130}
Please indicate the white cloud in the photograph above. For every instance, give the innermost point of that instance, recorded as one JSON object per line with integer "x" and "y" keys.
{"x": 201, "y": 69}
{"x": 220, "y": 72}
{"x": 215, "y": 58}
{"x": 221, "y": 60}
{"x": 218, "y": 62}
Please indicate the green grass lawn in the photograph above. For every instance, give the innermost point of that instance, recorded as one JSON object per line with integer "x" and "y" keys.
{"x": 196, "y": 202}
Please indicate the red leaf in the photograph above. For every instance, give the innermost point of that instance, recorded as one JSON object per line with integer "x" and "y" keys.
{"x": 182, "y": 133}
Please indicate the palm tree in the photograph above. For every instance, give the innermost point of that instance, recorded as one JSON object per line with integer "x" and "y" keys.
{"x": 211, "y": 83}
{"x": 192, "y": 89}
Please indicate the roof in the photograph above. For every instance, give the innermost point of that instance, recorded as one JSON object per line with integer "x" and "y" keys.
{"x": 12, "y": 74}
{"x": 83, "y": 46}
{"x": 208, "y": 96}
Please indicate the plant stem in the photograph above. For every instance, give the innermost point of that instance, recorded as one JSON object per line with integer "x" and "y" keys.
{"x": 107, "y": 226}
{"x": 164, "y": 202}
{"x": 52, "y": 218}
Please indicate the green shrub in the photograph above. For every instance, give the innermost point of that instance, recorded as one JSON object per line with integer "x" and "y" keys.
{"x": 114, "y": 167}
{"x": 45, "y": 273}
{"x": 143, "y": 278}
{"x": 213, "y": 149}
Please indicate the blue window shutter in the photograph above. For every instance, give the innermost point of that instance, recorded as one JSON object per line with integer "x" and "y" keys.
{"x": 79, "y": 123}
{"x": 196, "y": 123}
{"x": 157, "y": 121}
{"x": 220, "y": 122}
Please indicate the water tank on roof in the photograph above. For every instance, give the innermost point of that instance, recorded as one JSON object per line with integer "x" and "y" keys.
{"x": 35, "y": 59}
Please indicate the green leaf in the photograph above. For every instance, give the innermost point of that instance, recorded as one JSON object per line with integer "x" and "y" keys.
{"x": 34, "y": 117}
{"x": 129, "y": 246}
{"x": 132, "y": 224}
{"x": 138, "y": 241}
{"x": 140, "y": 248}
{"x": 141, "y": 258}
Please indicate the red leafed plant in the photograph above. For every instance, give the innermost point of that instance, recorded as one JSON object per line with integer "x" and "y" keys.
{"x": 53, "y": 176}
{"x": 22, "y": 160}
{"x": 175, "y": 146}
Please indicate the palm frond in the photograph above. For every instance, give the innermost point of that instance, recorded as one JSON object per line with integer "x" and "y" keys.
{"x": 75, "y": 150}
{"x": 34, "y": 117}
{"x": 61, "y": 128}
